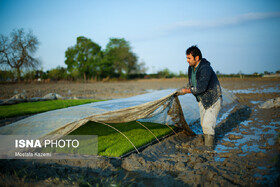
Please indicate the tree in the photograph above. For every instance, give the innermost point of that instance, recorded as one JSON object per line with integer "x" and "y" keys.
{"x": 58, "y": 73}
{"x": 6, "y": 75}
{"x": 84, "y": 56}
{"x": 141, "y": 68}
{"x": 165, "y": 73}
{"x": 87, "y": 59}
{"x": 118, "y": 52}
{"x": 182, "y": 74}
{"x": 17, "y": 51}
{"x": 106, "y": 67}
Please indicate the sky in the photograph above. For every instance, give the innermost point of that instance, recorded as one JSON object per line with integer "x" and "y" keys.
{"x": 234, "y": 35}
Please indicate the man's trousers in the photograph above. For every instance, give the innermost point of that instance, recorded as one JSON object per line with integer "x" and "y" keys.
{"x": 208, "y": 117}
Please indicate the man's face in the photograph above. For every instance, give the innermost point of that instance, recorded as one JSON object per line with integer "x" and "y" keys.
{"x": 191, "y": 60}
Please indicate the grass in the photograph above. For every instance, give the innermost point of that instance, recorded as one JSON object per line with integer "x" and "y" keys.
{"x": 38, "y": 107}
{"x": 112, "y": 143}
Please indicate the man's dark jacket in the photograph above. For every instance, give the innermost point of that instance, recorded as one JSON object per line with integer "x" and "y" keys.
{"x": 207, "y": 84}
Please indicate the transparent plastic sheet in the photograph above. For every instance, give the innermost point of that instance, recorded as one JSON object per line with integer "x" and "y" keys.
{"x": 162, "y": 107}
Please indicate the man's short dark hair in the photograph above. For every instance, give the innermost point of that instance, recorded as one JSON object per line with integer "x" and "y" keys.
{"x": 194, "y": 51}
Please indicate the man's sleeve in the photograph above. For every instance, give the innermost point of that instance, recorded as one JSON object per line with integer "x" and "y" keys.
{"x": 189, "y": 77}
{"x": 202, "y": 81}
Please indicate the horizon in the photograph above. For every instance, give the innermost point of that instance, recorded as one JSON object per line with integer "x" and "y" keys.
{"x": 235, "y": 36}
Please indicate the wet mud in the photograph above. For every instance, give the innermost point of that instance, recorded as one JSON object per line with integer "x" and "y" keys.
{"x": 246, "y": 159}
{"x": 246, "y": 153}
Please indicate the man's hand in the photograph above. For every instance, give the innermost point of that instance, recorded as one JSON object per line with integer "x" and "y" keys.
{"x": 183, "y": 91}
{"x": 180, "y": 92}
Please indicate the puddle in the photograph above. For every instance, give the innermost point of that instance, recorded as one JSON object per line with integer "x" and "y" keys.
{"x": 262, "y": 167}
{"x": 243, "y": 154}
{"x": 246, "y": 122}
{"x": 225, "y": 115}
{"x": 219, "y": 159}
{"x": 224, "y": 149}
{"x": 252, "y": 148}
{"x": 271, "y": 141}
{"x": 196, "y": 127}
{"x": 258, "y": 137}
{"x": 275, "y": 123}
{"x": 267, "y": 179}
{"x": 255, "y": 102}
{"x": 252, "y": 90}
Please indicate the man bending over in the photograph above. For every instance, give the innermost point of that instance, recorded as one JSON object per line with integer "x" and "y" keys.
{"x": 205, "y": 86}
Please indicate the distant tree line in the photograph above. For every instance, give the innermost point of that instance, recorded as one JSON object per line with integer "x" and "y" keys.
{"x": 61, "y": 73}
{"x": 85, "y": 61}
{"x": 243, "y": 75}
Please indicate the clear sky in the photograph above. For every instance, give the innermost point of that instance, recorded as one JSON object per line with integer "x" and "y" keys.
{"x": 234, "y": 35}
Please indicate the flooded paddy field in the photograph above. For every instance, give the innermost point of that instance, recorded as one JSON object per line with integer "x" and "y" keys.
{"x": 246, "y": 148}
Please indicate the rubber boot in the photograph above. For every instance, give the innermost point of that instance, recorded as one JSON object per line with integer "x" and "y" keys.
{"x": 209, "y": 141}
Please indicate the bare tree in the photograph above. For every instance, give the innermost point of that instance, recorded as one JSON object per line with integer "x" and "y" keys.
{"x": 16, "y": 51}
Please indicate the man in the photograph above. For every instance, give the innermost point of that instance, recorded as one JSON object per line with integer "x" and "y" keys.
{"x": 205, "y": 86}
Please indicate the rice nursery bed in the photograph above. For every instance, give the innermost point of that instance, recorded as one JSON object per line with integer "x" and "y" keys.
{"x": 113, "y": 144}
{"x": 28, "y": 108}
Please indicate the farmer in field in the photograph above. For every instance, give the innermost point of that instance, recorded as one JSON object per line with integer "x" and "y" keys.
{"x": 205, "y": 86}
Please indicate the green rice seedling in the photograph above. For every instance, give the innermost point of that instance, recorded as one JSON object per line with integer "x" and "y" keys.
{"x": 38, "y": 107}
{"x": 113, "y": 144}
